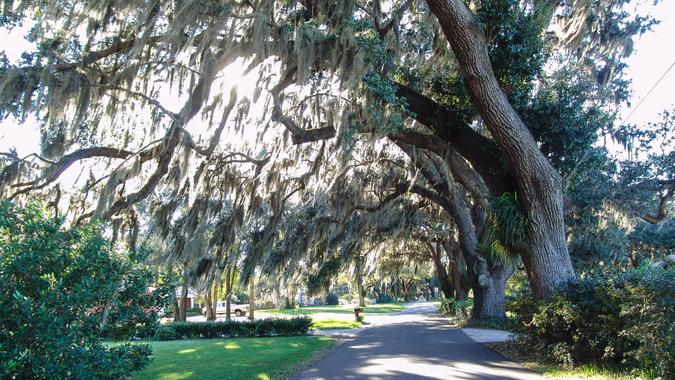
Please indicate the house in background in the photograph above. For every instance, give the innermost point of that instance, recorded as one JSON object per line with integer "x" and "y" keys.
{"x": 192, "y": 298}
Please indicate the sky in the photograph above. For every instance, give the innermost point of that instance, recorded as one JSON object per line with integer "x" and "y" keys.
{"x": 654, "y": 54}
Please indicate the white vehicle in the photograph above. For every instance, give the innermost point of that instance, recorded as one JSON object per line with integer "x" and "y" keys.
{"x": 221, "y": 308}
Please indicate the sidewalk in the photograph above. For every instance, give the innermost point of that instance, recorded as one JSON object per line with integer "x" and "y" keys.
{"x": 488, "y": 335}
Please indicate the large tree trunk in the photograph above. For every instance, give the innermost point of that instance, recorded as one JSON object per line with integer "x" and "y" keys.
{"x": 539, "y": 183}
{"x": 210, "y": 304}
{"x": 457, "y": 269}
{"x": 182, "y": 304}
{"x": 251, "y": 298}
{"x": 175, "y": 307}
{"x": 452, "y": 198}
{"x": 216, "y": 294}
{"x": 229, "y": 279}
{"x": 441, "y": 272}
{"x": 486, "y": 279}
{"x": 358, "y": 268}
{"x": 489, "y": 299}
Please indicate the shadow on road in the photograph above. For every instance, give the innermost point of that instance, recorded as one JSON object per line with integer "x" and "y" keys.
{"x": 416, "y": 344}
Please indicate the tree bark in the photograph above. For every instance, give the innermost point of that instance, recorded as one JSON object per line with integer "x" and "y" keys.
{"x": 229, "y": 278}
{"x": 210, "y": 303}
{"x": 216, "y": 294}
{"x": 176, "y": 313}
{"x": 358, "y": 268}
{"x": 251, "y": 298}
{"x": 489, "y": 299}
{"x": 182, "y": 304}
{"x": 487, "y": 279}
{"x": 457, "y": 269}
{"x": 441, "y": 272}
{"x": 538, "y": 182}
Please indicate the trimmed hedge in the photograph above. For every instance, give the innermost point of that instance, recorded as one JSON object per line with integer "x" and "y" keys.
{"x": 235, "y": 329}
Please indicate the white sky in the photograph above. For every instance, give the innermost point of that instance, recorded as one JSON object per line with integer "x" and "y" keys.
{"x": 654, "y": 53}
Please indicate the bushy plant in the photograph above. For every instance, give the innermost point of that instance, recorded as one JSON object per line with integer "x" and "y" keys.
{"x": 459, "y": 309}
{"x": 52, "y": 280}
{"x": 332, "y": 299}
{"x": 165, "y": 333}
{"x": 135, "y": 306}
{"x": 384, "y": 298}
{"x": 235, "y": 329}
{"x": 620, "y": 320}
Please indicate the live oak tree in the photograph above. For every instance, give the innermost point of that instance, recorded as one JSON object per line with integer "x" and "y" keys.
{"x": 119, "y": 91}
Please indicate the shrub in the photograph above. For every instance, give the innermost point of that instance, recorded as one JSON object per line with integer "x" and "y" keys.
{"x": 621, "y": 320}
{"x": 384, "y": 298}
{"x": 134, "y": 311}
{"x": 459, "y": 309}
{"x": 165, "y": 333}
{"x": 52, "y": 281}
{"x": 235, "y": 329}
{"x": 332, "y": 299}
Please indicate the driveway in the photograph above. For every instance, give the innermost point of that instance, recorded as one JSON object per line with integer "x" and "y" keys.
{"x": 417, "y": 343}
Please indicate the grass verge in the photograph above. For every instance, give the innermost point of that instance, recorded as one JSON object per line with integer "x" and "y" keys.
{"x": 242, "y": 358}
{"x": 553, "y": 371}
{"x": 331, "y": 324}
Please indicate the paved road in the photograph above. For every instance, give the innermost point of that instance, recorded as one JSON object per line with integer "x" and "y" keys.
{"x": 415, "y": 344}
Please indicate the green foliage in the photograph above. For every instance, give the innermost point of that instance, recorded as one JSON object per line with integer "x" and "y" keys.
{"x": 166, "y": 333}
{"x": 458, "y": 309}
{"x": 235, "y": 329}
{"x": 51, "y": 282}
{"x": 384, "y": 298}
{"x": 619, "y": 320}
{"x": 515, "y": 43}
{"x": 506, "y": 230}
{"x": 135, "y": 307}
{"x": 321, "y": 280}
{"x": 565, "y": 118}
{"x": 332, "y": 299}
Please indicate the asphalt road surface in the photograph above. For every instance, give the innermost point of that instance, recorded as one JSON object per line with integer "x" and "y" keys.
{"x": 414, "y": 344}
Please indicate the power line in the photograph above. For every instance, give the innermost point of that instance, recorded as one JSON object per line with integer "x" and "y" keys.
{"x": 648, "y": 93}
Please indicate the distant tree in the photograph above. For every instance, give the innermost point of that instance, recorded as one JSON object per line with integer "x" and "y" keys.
{"x": 449, "y": 82}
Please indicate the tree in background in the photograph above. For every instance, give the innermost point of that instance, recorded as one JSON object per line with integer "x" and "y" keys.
{"x": 455, "y": 88}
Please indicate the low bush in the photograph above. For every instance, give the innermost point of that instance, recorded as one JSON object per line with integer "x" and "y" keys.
{"x": 384, "y": 298}
{"x": 622, "y": 320}
{"x": 166, "y": 333}
{"x": 332, "y": 299}
{"x": 459, "y": 309}
{"x": 235, "y": 329}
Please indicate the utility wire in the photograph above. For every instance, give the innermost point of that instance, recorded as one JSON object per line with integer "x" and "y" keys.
{"x": 648, "y": 93}
{"x": 587, "y": 152}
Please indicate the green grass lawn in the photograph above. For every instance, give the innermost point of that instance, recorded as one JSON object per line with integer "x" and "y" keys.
{"x": 242, "y": 358}
{"x": 329, "y": 324}
{"x": 383, "y": 308}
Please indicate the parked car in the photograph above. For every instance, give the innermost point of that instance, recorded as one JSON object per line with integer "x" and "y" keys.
{"x": 221, "y": 308}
